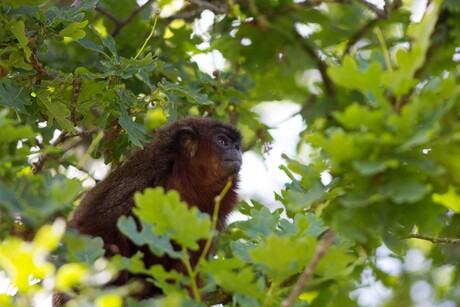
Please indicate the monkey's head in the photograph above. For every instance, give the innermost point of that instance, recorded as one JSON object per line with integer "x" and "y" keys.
{"x": 212, "y": 148}
{"x": 204, "y": 149}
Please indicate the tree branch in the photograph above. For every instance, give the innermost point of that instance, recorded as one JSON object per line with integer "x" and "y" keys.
{"x": 38, "y": 166}
{"x": 372, "y": 7}
{"x": 358, "y": 35}
{"x": 120, "y": 23}
{"x": 41, "y": 71}
{"x": 109, "y": 15}
{"x": 320, "y": 64}
{"x": 310, "y": 268}
{"x": 433, "y": 239}
{"x": 210, "y": 6}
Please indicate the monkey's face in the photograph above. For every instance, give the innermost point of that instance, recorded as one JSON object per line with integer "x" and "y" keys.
{"x": 212, "y": 152}
{"x": 228, "y": 150}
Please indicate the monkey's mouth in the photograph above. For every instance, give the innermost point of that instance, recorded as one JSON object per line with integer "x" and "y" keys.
{"x": 232, "y": 165}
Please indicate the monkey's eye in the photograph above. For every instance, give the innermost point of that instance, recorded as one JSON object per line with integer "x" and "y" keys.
{"x": 222, "y": 140}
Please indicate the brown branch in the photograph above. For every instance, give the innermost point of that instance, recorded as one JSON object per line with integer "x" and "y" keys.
{"x": 120, "y": 23}
{"x": 310, "y": 268}
{"x": 320, "y": 64}
{"x": 38, "y": 166}
{"x": 109, "y": 15}
{"x": 128, "y": 19}
{"x": 41, "y": 71}
{"x": 433, "y": 239}
{"x": 301, "y": 5}
{"x": 358, "y": 35}
{"x": 372, "y": 7}
{"x": 210, "y": 6}
{"x": 187, "y": 16}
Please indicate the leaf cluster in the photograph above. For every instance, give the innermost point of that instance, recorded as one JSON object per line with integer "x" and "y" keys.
{"x": 378, "y": 92}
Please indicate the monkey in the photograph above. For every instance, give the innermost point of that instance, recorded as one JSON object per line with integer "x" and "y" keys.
{"x": 195, "y": 156}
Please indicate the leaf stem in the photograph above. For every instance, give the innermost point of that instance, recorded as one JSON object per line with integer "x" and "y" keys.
{"x": 192, "y": 274}
{"x": 386, "y": 54}
{"x": 214, "y": 219}
{"x": 157, "y": 14}
{"x": 271, "y": 291}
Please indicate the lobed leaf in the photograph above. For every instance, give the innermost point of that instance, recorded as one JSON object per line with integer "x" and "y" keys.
{"x": 172, "y": 217}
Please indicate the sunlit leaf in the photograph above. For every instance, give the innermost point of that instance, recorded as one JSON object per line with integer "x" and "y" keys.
{"x": 169, "y": 215}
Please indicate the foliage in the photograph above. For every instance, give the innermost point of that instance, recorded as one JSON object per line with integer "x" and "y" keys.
{"x": 377, "y": 90}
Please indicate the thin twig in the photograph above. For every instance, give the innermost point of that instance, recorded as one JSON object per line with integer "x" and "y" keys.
{"x": 310, "y": 268}
{"x": 210, "y": 6}
{"x": 128, "y": 19}
{"x": 433, "y": 239}
{"x": 215, "y": 217}
{"x": 38, "y": 166}
{"x": 358, "y": 35}
{"x": 41, "y": 71}
{"x": 152, "y": 31}
{"x": 372, "y": 7}
{"x": 320, "y": 64}
{"x": 108, "y": 14}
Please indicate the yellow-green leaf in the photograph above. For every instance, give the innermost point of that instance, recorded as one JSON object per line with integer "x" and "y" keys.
{"x": 74, "y": 30}
{"x": 450, "y": 200}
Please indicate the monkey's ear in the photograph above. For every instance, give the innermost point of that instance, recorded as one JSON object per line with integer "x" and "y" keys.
{"x": 188, "y": 141}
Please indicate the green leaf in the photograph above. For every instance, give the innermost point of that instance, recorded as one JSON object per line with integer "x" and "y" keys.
{"x": 340, "y": 146}
{"x": 13, "y": 96}
{"x": 404, "y": 190}
{"x": 359, "y": 197}
{"x": 168, "y": 281}
{"x": 299, "y": 200}
{"x": 184, "y": 91}
{"x": 82, "y": 248}
{"x": 401, "y": 79}
{"x": 356, "y": 116}
{"x": 370, "y": 168}
{"x": 19, "y": 3}
{"x": 48, "y": 237}
{"x": 130, "y": 67}
{"x": 55, "y": 110}
{"x": 90, "y": 45}
{"x": 170, "y": 216}
{"x": 282, "y": 257}
{"x": 18, "y": 29}
{"x": 159, "y": 245}
{"x": 21, "y": 260}
{"x": 69, "y": 275}
{"x": 109, "y": 299}
{"x": 450, "y": 199}
{"x": 430, "y": 124}
{"x": 262, "y": 223}
{"x": 232, "y": 276}
{"x": 9, "y": 134}
{"x": 135, "y": 131}
{"x": 65, "y": 191}
{"x": 108, "y": 42}
{"x": 368, "y": 82}
{"x": 74, "y": 30}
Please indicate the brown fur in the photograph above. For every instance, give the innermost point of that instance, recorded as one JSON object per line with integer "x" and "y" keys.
{"x": 183, "y": 157}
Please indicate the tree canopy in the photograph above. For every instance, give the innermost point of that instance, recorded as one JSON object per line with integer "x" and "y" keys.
{"x": 378, "y": 91}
